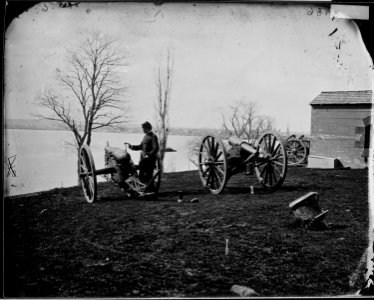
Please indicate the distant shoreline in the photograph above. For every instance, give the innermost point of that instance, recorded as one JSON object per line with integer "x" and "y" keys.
{"x": 29, "y": 124}
{"x": 191, "y": 132}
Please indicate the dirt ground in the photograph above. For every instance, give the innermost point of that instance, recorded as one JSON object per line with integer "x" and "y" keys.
{"x": 58, "y": 245}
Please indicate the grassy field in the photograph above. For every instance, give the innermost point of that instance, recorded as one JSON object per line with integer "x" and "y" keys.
{"x": 57, "y": 245}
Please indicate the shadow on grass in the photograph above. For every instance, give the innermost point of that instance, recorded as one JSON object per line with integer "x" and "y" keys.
{"x": 233, "y": 190}
{"x": 263, "y": 190}
{"x": 185, "y": 192}
{"x": 322, "y": 226}
{"x": 125, "y": 198}
{"x": 337, "y": 226}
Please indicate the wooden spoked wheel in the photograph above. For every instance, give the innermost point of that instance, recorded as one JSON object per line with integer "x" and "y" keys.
{"x": 271, "y": 165}
{"x": 86, "y": 174}
{"x": 213, "y": 164}
{"x": 296, "y": 151}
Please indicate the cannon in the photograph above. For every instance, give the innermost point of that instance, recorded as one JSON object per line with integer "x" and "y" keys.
{"x": 297, "y": 149}
{"x": 267, "y": 159}
{"x": 119, "y": 169}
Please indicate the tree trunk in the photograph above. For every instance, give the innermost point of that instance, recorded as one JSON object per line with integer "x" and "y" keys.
{"x": 163, "y": 143}
{"x": 78, "y": 168}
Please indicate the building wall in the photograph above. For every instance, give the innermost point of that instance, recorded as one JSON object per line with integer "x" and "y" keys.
{"x": 338, "y": 131}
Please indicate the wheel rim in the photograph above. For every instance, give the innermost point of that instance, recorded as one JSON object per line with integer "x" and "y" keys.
{"x": 271, "y": 166}
{"x": 87, "y": 175}
{"x": 296, "y": 151}
{"x": 213, "y": 164}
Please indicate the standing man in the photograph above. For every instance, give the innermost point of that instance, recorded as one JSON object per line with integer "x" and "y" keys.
{"x": 149, "y": 149}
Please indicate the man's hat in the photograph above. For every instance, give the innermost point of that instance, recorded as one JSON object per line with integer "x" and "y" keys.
{"x": 147, "y": 125}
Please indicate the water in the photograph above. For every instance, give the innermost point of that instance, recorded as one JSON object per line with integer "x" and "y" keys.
{"x": 46, "y": 159}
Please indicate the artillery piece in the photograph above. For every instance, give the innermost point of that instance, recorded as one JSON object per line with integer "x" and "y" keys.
{"x": 297, "y": 149}
{"x": 268, "y": 159}
{"x": 119, "y": 169}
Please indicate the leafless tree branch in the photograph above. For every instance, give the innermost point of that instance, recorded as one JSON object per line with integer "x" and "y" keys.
{"x": 163, "y": 80}
{"x": 92, "y": 78}
{"x": 243, "y": 121}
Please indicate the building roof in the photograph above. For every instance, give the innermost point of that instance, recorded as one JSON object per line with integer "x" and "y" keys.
{"x": 343, "y": 97}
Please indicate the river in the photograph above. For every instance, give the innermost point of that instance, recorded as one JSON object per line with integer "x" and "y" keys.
{"x": 39, "y": 160}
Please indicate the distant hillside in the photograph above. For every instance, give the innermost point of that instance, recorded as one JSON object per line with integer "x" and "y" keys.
{"x": 34, "y": 124}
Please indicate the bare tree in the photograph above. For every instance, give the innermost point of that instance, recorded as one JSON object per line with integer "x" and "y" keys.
{"x": 243, "y": 121}
{"x": 163, "y": 84}
{"x": 95, "y": 93}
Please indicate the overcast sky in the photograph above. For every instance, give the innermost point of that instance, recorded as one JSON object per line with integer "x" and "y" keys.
{"x": 280, "y": 56}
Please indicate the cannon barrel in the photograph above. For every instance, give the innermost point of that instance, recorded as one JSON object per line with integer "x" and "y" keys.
{"x": 235, "y": 141}
{"x": 105, "y": 171}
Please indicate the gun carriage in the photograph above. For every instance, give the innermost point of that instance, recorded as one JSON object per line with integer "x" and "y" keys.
{"x": 267, "y": 159}
{"x": 119, "y": 169}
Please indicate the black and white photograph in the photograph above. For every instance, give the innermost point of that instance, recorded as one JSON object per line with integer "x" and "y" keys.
{"x": 188, "y": 149}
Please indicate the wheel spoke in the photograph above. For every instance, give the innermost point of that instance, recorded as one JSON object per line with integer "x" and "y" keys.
{"x": 218, "y": 180}
{"x": 218, "y": 156}
{"x": 215, "y": 150}
{"x": 211, "y": 146}
{"x": 221, "y": 171}
{"x": 266, "y": 174}
{"x": 212, "y": 183}
{"x": 263, "y": 170}
{"x": 204, "y": 155}
{"x": 265, "y": 146}
{"x": 272, "y": 145}
{"x": 275, "y": 173}
{"x": 209, "y": 176}
{"x": 270, "y": 169}
{"x": 214, "y": 179}
{"x": 206, "y": 148}
{"x": 275, "y": 176}
{"x": 83, "y": 163}
{"x": 91, "y": 183}
{"x": 269, "y": 143}
{"x": 259, "y": 164}
{"x": 277, "y": 163}
{"x": 276, "y": 168}
{"x": 276, "y": 157}
{"x": 271, "y": 176}
{"x": 299, "y": 148}
{"x": 206, "y": 170}
{"x": 299, "y": 156}
{"x": 276, "y": 150}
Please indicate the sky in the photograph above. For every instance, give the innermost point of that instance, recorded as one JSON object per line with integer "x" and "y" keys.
{"x": 279, "y": 56}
